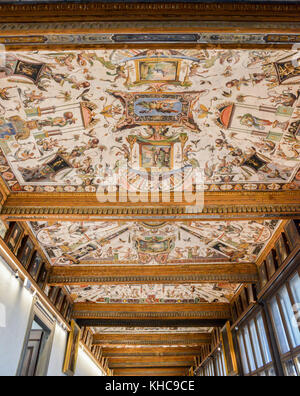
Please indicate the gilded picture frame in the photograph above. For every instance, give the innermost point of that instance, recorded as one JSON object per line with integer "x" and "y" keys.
{"x": 228, "y": 351}
{"x": 70, "y": 362}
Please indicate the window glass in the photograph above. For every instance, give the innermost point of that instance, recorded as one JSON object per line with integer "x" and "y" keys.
{"x": 295, "y": 287}
{"x": 283, "y": 343}
{"x": 222, "y": 369}
{"x": 243, "y": 354}
{"x": 211, "y": 368}
{"x": 218, "y": 364}
{"x": 249, "y": 349}
{"x": 289, "y": 368}
{"x": 289, "y": 316}
{"x": 297, "y": 361}
{"x": 223, "y": 364}
{"x": 256, "y": 344}
{"x": 271, "y": 372}
{"x": 263, "y": 338}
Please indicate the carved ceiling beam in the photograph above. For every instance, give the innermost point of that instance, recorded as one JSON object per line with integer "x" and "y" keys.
{"x": 153, "y": 361}
{"x": 158, "y": 339}
{"x": 201, "y": 311}
{"x": 164, "y": 274}
{"x": 217, "y": 205}
{"x": 147, "y": 322}
{"x": 151, "y": 351}
{"x": 151, "y": 372}
{"x": 68, "y": 11}
{"x": 198, "y": 34}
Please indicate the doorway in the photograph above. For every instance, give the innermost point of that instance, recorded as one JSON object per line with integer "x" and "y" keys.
{"x": 37, "y": 345}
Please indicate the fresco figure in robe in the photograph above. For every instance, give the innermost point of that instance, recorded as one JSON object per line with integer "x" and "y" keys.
{"x": 252, "y": 121}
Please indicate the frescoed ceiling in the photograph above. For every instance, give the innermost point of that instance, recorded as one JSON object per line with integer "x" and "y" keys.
{"x": 154, "y": 294}
{"x": 76, "y": 124}
{"x": 140, "y": 243}
{"x": 80, "y": 121}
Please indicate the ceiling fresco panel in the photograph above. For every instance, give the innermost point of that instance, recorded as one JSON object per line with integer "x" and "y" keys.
{"x": 155, "y": 243}
{"x": 154, "y": 294}
{"x": 78, "y": 121}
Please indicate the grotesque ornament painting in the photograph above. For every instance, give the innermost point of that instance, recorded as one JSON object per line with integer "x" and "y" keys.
{"x": 233, "y": 114}
{"x": 141, "y": 243}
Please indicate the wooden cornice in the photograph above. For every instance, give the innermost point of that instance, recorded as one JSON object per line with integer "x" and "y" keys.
{"x": 164, "y": 322}
{"x": 160, "y": 339}
{"x": 156, "y": 361}
{"x": 204, "y": 311}
{"x": 85, "y": 206}
{"x": 151, "y": 351}
{"x": 85, "y": 33}
{"x": 164, "y": 274}
{"x": 64, "y": 11}
{"x": 151, "y": 372}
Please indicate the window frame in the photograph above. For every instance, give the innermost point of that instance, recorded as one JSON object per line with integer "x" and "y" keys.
{"x": 294, "y": 352}
{"x": 241, "y": 334}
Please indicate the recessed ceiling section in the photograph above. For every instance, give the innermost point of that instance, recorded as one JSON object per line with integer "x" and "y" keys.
{"x": 77, "y": 121}
{"x": 154, "y": 294}
{"x": 164, "y": 243}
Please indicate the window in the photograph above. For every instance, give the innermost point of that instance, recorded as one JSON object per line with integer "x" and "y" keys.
{"x": 254, "y": 348}
{"x": 263, "y": 339}
{"x": 214, "y": 366}
{"x": 284, "y": 307}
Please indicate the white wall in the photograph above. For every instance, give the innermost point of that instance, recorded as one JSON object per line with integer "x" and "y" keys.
{"x": 15, "y": 308}
{"x": 58, "y": 352}
{"x": 86, "y": 367}
{"x": 16, "y": 301}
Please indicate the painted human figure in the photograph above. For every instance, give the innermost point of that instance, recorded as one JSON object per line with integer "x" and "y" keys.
{"x": 252, "y": 121}
{"x": 61, "y": 122}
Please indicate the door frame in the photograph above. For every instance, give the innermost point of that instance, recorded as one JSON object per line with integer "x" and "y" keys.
{"x": 37, "y": 310}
